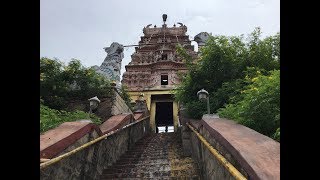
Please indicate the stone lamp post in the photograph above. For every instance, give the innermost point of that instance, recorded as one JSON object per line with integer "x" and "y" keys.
{"x": 94, "y": 102}
{"x": 204, "y": 95}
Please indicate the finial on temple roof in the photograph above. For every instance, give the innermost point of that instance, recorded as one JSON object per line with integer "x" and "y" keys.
{"x": 164, "y": 17}
{"x": 180, "y": 24}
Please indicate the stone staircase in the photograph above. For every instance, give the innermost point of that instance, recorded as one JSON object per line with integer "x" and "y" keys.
{"x": 156, "y": 156}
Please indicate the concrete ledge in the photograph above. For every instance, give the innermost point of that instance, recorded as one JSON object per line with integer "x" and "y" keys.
{"x": 116, "y": 122}
{"x": 257, "y": 154}
{"x": 58, "y": 139}
{"x": 90, "y": 162}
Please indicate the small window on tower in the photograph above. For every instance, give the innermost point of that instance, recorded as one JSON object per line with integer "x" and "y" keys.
{"x": 164, "y": 79}
{"x": 164, "y": 57}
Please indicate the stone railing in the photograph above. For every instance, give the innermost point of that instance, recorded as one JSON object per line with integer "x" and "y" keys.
{"x": 250, "y": 153}
{"x": 88, "y": 160}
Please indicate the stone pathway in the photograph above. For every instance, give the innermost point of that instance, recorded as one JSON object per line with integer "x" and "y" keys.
{"x": 156, "y": 156}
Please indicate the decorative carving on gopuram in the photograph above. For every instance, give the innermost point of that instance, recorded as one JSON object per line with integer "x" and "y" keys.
{"x": 155, "y": 63}
{"x": 202, "y": 38}
{"x": 111, "y": 65}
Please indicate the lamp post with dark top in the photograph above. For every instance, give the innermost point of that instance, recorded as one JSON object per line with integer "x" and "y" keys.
{"x": 94, "y": 102}
{"x": 204, "y": 95}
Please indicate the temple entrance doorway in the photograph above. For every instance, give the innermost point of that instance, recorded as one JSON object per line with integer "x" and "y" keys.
{"x": 164, "y": 117}
{"x": 163, "y": 114}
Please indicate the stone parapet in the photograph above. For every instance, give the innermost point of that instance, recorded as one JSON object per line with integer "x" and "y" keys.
{"x": 55, "y": 141}
{"x": 116, "y": 122}
{"x": 89, "y": 163}
{"x": 255, "y": 155}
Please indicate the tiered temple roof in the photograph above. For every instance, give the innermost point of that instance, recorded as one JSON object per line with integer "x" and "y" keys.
{"x": 155, "y": 63}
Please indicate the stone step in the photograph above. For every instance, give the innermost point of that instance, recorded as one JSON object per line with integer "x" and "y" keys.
{"x": 155, "y": 161}
{"x": 159, "y": 156}
{"x": 120, "y": 166}
{"x": 148, "y": 168}
{"x": 136, "y": 175}
{"x": 153, "y": 150}
{"x": 145, "y": 155}
{"x": 158, "y": 146}
{"x": 195, "y": 177}
{"x": 151, "y": 174}
{"x": 147, "y": 150}
{"x": 151, "y": 156}
{"x": 150, "y": 160}
{"x": 136, "y": 169}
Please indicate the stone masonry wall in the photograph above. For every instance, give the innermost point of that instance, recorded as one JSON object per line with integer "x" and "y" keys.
{"x": 109, "y": 106}
{"x": 223, "y": 151}
{"x": 210, "y": 167}
{"x": 87, "y": 138}
{"x": 256, "y": 156}
{"x": 119, "y": 106}
{"x": 90, "y": 162}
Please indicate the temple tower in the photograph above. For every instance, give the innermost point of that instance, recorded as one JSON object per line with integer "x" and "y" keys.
{"x": 154, "y": 68}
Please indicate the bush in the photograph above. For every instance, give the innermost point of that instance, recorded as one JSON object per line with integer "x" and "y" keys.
{"x": 259, "y": 107}
{"x": 125, "y": 96}
{"x": 60, "y": 84}
{"x": 223, "y": 65}
{"x": 51, "y": 118}
{"x": 242, "y": 78}
{"x": 276, "y": 135}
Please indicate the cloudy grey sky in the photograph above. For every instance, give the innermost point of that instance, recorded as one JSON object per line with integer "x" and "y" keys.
{"x": 82, "y": 28}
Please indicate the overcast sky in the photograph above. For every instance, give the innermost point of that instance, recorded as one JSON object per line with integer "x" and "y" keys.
{"x": 82, "y": 28}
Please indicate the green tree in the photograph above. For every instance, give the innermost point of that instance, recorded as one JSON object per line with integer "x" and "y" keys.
{"x": 225, "y": 67}
{"x": 259, "y": 104}
{"x": 60, "y": 84}
{"x": 125, "y": 96}
{"x": 223, "y": 64}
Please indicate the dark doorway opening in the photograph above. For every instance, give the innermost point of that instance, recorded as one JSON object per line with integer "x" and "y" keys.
{"x": 164, "y": 115}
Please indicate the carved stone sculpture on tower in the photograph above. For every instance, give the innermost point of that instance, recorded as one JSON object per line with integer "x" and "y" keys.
{"x": 111, "y": 65}
{"x": 202, "y": 38}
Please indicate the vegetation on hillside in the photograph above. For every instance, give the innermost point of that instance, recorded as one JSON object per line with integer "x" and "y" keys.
{"x": 51, "y": 118}
{"x": 125, "y": 96}
{"x": 258, "y": 104}
{"x": 242, "y": 77}
{"x": 61, "y": 84}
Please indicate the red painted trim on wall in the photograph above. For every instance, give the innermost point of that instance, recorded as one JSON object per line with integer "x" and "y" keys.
{"x": 56, "y": 148}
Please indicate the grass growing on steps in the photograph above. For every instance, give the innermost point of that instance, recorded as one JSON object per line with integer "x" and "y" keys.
{"x": 51, "y": 118}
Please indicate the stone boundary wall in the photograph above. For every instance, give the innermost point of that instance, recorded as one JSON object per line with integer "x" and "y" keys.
{"x": 67, "y": 137}
{"x": 119, "y": 106}
{"x": 256, "y": 156}
{"x": 116, "y": 122}
{"x": 90, "y": 162}
{"x": 108, "y": 107}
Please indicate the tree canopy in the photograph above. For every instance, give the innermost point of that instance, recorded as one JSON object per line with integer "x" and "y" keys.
{"x": 226, "y": 68}
{"x": 60, "y": 83}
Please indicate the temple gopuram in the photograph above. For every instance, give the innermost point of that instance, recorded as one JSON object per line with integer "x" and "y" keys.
{"x": 153, "y": 71}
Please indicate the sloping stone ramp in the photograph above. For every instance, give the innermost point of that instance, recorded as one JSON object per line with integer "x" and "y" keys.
{"x": 156, "y": 156}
